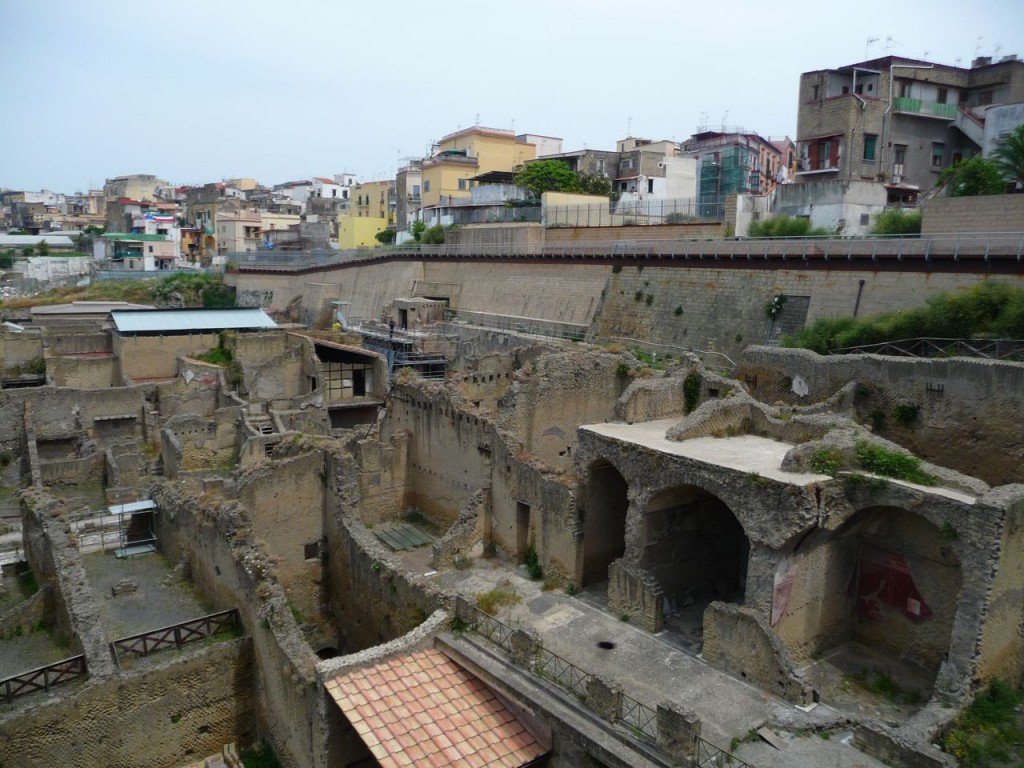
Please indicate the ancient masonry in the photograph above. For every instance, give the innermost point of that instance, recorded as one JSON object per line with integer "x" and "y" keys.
{"x": 798, "y": 521}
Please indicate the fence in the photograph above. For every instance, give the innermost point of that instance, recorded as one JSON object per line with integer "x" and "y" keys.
{"x": 710, "y": 756}
{"x": 176, "y": 635}
{"x": 633, "y": 212}
{"x": 528, "y": 325}
{"x": 991, "y": 349}
{"x": 43, "y": 678}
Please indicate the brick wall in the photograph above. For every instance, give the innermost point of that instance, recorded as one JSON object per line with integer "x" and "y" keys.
{"x": 162, "y": 715}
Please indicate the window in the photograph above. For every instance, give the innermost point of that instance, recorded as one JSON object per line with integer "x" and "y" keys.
{"x": 904, "y": 89}
{"x": 627, "y": 164}
{"x": 426, "y": 185}
{"x": 943, "y": 96}
{"x": 415, "y": 190}
{"x": 650, "y": 186}
{"x": 846, "y": 89}
{"x": 938, "y": 153}
{"x": 859, "y": 88}
{"x": 865, "y": 219}
{"x": 814, "y": 91}
{"x": 870, "y": 145}
{"x": 900, "y": 154}
{"x": 462, "y": 184}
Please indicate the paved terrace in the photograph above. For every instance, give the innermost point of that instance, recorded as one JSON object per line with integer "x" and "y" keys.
{"x": 996, "y": 253}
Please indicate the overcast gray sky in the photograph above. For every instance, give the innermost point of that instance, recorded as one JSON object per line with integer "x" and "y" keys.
{"x": 200, "y": 90}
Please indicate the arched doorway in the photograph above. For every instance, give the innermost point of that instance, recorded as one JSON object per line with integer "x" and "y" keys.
{"x": 697, "y": 551}
{"x": 604, "y": 522}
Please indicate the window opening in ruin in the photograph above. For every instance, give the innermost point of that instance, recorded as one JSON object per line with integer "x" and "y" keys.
{"x": 604, "y": 522}
{"x": 697, "y": 551}
{"x": 522, "y": 527}
{"x": 311, "y": 551}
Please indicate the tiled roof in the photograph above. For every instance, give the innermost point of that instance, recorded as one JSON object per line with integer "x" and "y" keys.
{"x": 426, "y": 710}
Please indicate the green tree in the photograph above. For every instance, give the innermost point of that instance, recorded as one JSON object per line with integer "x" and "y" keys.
{"x": 43, "y": 248}
{"x": 593, "y": 184}
{"x": 433, "y": 236}
{"x": 783, "y": 226}
{"x": 417, "y": 228}
{"x": 547, "y": 176}
{"x": 28, "y": 250}
{"x": 7, "y": 259}
{"x": 897, "y": 222}
{"x": 970, "y": 178}
{"x": 1009, "y": 157}
{"x": 386, "y": 236}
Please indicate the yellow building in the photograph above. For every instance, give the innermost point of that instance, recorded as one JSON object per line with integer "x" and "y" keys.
{"x": 464, "y": 154}
{"x": 373, "y": 199}
{"x": 359, "y": 231}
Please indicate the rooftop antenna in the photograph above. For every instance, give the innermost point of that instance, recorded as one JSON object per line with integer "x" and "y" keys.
{"x": 998, "y": 48}
{"x": 977, "y": 45}
{"x": 725, "y": 116}
{"x": 890, "y": 43}
{"x": 867, "y": 45}
{"x": 957, "y": 60}
{"x": 925, "y": 55}
{"x": 629, "y": 127}
{"x": 513, "y": 125}
{"x": 477, "y": 119}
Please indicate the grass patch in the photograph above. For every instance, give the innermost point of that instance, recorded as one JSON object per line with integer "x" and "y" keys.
{"x": 827, "y": 461}
{"x": 989, "y": 732}
{"x": 490, "y": 602}
{"x": 533, "y": 566}
{"x": 259, "y": 756}
{"x": 901, "y": 466}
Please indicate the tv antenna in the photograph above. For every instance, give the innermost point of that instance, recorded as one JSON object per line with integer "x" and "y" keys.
{"x": 867, "y": 45}
{"x": 629, "y": 127}
{"x": 890, "y": 43}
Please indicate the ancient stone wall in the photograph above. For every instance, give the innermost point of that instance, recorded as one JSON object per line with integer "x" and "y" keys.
{"x": 97, "y": 371}
{"x": 374, "y": 597}
{"x": 285, "y": 498}
{"x": 153, "y": 357}
{"x": 230, "y": 570}
{"x": 1001, "y": 650}
{"x": 383, "y": 471}
{"x": 163, "y": 715}
{"x": 18, "y": 351}
{"x": 959, "y": 413}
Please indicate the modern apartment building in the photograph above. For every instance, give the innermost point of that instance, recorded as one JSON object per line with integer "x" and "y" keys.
{"x": 901, "y": 121}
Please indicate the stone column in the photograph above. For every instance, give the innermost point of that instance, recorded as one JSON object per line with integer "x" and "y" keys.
{"x": 525, "y": 643}
{"x": 678, "y": 731}
{"x": 604, "y": 698}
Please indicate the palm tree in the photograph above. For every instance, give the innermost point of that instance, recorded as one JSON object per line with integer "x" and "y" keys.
{"x": 1009, "y": 156}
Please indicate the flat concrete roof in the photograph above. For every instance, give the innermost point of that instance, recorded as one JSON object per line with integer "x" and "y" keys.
{"x": 745, "y": 453}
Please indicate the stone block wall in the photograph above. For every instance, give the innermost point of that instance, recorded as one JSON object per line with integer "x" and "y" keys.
{"x": 18, "y": 351}
{"x": 167, "y": 715}
{"x": 989, "y": 213}
{"x": 83, "y": 372}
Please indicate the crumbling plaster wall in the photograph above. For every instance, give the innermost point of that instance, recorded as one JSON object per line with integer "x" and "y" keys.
{"x": 231, "y": 570}
{"x": 18, "y": 350}
{"x": 271, "y": 363}
{"x": 152, "y": 357}
{"x": 967, "y": 414}
{"x": 285, "y": 498}
{"x": 550, "y": 397}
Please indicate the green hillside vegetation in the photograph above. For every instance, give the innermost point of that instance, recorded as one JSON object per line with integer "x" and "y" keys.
{"x": 195, "y": 290}
{"x": 988, "y": 310}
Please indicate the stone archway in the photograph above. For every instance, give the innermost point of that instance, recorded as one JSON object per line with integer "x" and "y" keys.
{"x": 604, "y": 521}
{"x": 697, "y": 552}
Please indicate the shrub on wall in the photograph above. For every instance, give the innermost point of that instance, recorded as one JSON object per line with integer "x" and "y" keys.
{"x": 691, "y": 392}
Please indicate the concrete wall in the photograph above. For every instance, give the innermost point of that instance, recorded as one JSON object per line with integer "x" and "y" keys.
{"x": 989, "y": 213}
{"x": 163, "y": 715}
{"x": 18, "y": 350}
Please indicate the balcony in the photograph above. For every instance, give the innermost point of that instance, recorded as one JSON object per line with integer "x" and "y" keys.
{"x": 907, "y": 106}
{"x": 453, "y": 159}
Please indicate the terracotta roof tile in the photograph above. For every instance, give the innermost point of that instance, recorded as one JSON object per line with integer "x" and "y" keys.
{"x": 425, "y": 710}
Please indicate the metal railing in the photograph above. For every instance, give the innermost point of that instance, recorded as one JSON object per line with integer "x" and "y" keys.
{"x": 42, "y": 678}
{"x": 710, "y": 756}
{"x": 907, "y": 105}
{"x": 960, "y": 252}
{"x": 496, "y": 631}
{"x": 928, "y": 347}
{"x": 562, "y": 673}
{"x": 176, "y": 635}
{"x": 639, "y": 717}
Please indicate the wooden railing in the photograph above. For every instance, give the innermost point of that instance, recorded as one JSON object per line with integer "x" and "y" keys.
{"x": 42, "y": 678}
{"x": 176, "y": 635}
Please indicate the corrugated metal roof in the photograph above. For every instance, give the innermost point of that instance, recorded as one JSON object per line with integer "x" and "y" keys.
{"x": 184, "y": 320}
{"x": 86, "y": 307}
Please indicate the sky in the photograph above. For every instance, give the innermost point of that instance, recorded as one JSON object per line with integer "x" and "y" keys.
{"x": 202, "y": 90}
